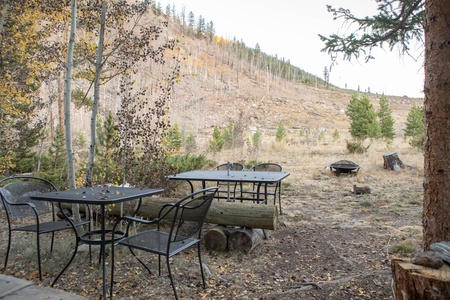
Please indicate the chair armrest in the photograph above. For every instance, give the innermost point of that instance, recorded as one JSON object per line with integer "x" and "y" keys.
{"x": 136, "y": 219}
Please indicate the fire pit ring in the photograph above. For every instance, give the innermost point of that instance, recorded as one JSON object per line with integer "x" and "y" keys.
{"x": 344, "y": 166}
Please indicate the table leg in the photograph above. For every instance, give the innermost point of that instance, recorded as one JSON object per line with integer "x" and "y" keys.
{"x": 102, "y": 249}
{"x": 257, "y": 199}
{"x": 77, "y": 239}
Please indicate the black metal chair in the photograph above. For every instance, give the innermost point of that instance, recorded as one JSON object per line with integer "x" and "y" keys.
{"x": 15, "y": 195}
{"x": 225, "y": 191}
{"x": 185, "y": 219}
{"x": 269, "y": 189}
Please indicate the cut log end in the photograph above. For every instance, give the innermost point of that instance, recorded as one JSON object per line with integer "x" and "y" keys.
{"x": 216, "y": 239}
{"x": 245, "y": 239}
{"x": 419, "y": 282}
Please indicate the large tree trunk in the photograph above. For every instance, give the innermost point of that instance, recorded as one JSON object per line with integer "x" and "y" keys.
{"x": 436, "y": 205}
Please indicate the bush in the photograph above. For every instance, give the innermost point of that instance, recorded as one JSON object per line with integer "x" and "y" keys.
{"x": 356, "y": 147}
{"x": 187, "y": 162}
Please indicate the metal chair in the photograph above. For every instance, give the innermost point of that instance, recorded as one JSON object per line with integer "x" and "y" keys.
{"x": 269, "y": 189}
{"x": 15, "y": 195}
{"x": 224, "y": 187}
{"x": 185, "y": 219}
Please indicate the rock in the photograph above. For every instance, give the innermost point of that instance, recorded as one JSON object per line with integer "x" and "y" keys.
{"x": 427, "y": 259}
{"x": 443, "y": 248}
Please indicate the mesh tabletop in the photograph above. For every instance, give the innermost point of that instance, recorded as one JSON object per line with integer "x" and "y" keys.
{"x": 97, "y": 195}
{"x": 231, "y": 176}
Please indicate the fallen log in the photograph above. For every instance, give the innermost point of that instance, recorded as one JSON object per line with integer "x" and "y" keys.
{"x": 358, "y": 190}
{"x": 264, "y": 216}
{"x": 216, "y": 239}
{"x": 419, "y": 282}
{"x": 244, "y": 239}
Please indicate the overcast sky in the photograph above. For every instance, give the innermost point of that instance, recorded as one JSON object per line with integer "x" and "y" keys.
{"x": 290, "y": 28}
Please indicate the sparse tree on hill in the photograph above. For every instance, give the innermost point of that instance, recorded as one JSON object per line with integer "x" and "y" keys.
{"x": 191, "y": 22}
{"x": 326, "y": 75}
{"x": 217, "y": 142}
{"x": 281, "y": 132}
{"x": 201, "y": 26}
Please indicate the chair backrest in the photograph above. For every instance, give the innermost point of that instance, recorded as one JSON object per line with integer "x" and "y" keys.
{"x": 18, "y": 189}
{"x": 189, "y": 215}
{"x": 270, "y": 167}
{"x": 234, "y": 167}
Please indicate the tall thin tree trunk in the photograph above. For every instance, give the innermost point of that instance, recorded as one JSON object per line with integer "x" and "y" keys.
{"x": 68, "y": 96}
{"x": 436, "y": 206}
{"x": 67, "y": 102}
{"x": 3, "y": 17}
{"x": 98, "y": 69}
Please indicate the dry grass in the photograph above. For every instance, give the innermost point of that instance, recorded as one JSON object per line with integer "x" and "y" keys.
{"x": 327, "y": 235}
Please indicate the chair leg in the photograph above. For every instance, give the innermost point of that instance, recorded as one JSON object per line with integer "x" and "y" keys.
{"x": 8, "y": 248}
{"x": 39, "y": 255}
{"x": 201, "y": 265}
{"x": 171, "y": 279}
{"x": 51, "y": 243}
{"x": 112, "y": 272}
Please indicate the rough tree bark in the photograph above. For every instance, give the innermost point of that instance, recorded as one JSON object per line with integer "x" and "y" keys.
{"x": 436, "y": 207}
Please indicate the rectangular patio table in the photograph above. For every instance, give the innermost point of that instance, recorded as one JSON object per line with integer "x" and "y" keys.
{"x": 101, "y": 196}
{"x": 259, "y": 178}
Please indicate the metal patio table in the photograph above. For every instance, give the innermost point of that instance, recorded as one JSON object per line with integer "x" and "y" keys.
{"x": 259, "y": 178}
{"x": 101, "y": 196}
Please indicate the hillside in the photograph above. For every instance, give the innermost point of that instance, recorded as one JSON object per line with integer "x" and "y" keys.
{"x": 218, "y": 83}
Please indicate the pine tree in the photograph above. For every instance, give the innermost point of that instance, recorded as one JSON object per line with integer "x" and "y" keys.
{"x": 217, "y": 142}
{"x": 364, "y": 123}
{"x": 281, "y": 132}
{"x": 415, "y": 127}
{"x": 386, "y": 119}
{"x": 108, "y": 166}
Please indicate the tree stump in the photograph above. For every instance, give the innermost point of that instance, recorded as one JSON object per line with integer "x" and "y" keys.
{"x": 216, "y": 239}
{"x": 392, "y": 162}
{"x": 245, "y": 239}
{"x": 419, "y": 282}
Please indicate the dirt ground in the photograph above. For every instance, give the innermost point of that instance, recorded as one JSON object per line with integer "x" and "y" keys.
{"x": 330, "y": 244}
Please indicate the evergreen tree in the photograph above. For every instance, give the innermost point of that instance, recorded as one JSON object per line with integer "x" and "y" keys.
{"x": 201, "y": 26}
{"x": 326, "y": 75}
{"x": 414, "y": 122}
{"x": 281, "y": 132}
{"x": 191, "y": 20}
{"x": 210, "y": 31}
{"x": 364, "y": 123}
{"x": 217, "y": 142}
{"x": 335, "y": 135}
{"x": 386, "y": 119}
{"x": 174, "y": 138}
{"x": 55, "y": 165}
{"x": 228, "y": 135}
{"x": 108, "y": 166}
{"x": 415, "y": 127}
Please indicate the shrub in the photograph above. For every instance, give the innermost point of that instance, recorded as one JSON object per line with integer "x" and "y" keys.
{"x": 281, "y": 132}
{"x": 356, "y": 147}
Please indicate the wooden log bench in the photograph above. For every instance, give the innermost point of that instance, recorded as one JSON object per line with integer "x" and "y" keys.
{"x": 249, "y": 215}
